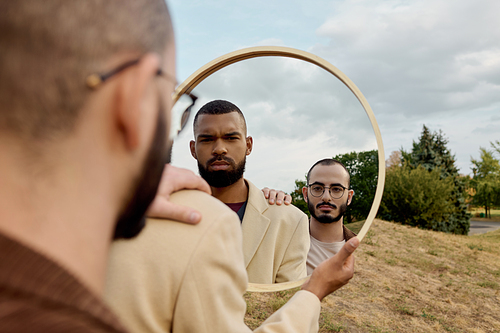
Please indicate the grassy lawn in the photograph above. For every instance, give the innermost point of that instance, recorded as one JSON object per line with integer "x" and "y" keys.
{"x": 476, "y": 211}
{"x": 409, "y": 280}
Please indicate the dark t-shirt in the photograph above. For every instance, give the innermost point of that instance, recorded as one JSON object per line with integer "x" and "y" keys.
{"x": 239, "y": 208}
{"x": 38, "y": 295}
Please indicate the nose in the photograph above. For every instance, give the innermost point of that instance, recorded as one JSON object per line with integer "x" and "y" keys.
{"x": 219, "y": 148}
{"x": 326, "y": 195}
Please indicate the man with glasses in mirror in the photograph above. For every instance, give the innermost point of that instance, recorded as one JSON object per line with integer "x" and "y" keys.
{"x": 327, "y": 195}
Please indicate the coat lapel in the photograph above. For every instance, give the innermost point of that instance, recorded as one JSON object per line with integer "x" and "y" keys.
{"x": 254, "y": 224}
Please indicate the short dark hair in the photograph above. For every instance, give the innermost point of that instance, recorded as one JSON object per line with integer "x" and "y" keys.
{"x": 218, "y": 107}
{"x": 330, "y": 161}
{"x": 48, "y": 48}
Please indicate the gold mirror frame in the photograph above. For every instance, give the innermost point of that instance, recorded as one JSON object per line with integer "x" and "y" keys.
{"x": 274, "y": 51}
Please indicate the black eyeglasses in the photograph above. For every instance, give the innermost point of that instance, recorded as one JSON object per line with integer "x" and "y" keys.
{"x": 180, "y": 115}
{"x": 93, "y": 81}
{"x": 336, "y": 191}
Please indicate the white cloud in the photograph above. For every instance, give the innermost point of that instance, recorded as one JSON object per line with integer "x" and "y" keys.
{"x": 433, "y": 62}
{"x": 420, "y": 62}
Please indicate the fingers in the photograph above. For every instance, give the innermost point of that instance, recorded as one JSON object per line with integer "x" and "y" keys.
{"x": 167, "y": 210}
{"x": 279, "y": 197}
{"x": 288, "y": 199}
{"x": 175, "y": 179}
{"x": 349, "y": 247}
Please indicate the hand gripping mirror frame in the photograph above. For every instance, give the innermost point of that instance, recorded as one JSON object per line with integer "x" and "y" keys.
{"x": 274, "y": 51}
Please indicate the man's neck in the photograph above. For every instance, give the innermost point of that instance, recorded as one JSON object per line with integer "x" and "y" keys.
{"x": 237, "y": 192}
{"x": 327, "y": 232}
{"x": 58, "y": 213}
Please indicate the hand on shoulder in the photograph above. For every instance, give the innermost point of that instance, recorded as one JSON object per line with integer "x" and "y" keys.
{"x": 175, "y": 179}
{"x": 276, "y": 196}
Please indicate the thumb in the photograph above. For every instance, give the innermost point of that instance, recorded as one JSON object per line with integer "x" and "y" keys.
{"x": 349, "y": 247}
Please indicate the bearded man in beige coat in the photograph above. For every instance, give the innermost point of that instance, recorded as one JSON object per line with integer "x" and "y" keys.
{"x": 275, "y": 238}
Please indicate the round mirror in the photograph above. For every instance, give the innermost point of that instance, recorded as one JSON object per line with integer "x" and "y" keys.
{"x": 298, "y": 108}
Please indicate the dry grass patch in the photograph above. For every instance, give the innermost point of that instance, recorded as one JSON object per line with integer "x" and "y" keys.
{"x": 410, "y": 280}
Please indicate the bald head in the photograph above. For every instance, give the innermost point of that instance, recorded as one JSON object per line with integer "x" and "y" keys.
{"x": 48, "y": 48}
{"x": 329, "y": 161}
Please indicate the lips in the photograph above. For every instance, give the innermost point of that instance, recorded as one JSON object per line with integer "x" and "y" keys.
{"x": 324, "y": 206}
{"x": 219, "y": 165}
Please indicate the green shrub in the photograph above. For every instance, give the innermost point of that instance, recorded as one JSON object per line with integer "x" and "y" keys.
{"x": 418, "y": 197}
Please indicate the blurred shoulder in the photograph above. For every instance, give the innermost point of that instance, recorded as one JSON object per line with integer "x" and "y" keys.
{"x": 288, "y": 212}
{"x": 199, "y": 200}
{"x": 157, "y": 231}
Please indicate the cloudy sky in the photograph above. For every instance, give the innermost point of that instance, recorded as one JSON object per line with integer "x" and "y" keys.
{"x": 432, "y": 62}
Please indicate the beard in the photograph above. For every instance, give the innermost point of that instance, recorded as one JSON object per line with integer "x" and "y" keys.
{"x": 131, "y": 220}
{"x": 222, "y": 178}
{"x": 326, "y": 218}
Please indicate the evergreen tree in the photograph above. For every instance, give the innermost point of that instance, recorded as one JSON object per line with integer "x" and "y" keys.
{"x": 431, "y": 152}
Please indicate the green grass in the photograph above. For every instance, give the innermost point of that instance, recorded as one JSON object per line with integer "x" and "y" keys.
{"x": 355, "y": 226}
{"x": 328, "y": 323}
{"x": 489, "y": 284}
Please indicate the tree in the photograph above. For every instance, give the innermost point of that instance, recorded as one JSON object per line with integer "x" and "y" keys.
{"x": 488, "y": 165}
{"x": 363, "y": 168}
{"x": 418, "y": 197}
{"x": 486, "y": 180}
{"x": 431, "y": 152}
{"x": 496, "y": 146}
{"x": 394, "y": 160}
{"x": 297, "y": 198}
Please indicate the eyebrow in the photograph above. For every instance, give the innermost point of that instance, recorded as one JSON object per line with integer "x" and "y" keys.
{"x": 233, "y": 134}
{"x": 225, "y": 134}
{"x": 334, "y": 184}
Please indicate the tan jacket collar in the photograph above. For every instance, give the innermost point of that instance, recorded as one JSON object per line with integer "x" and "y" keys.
{"x": 254, "y": 224}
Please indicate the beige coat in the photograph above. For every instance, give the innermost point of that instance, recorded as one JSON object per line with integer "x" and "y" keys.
{"x": 275, "y": 240}
{"x": 176, "y": 277}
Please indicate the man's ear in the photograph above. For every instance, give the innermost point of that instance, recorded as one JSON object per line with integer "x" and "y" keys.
{"x": 192, "y": 148}
{"x": 135, "y": 98}
{"x": 350, "y": 194}
{"x": 304, "y": 193}
{"x": 249, "y": 141}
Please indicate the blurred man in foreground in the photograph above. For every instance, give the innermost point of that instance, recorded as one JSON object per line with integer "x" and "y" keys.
{"x": 84, "y": 111}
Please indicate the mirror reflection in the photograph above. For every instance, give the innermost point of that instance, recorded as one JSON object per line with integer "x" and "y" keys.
{"x": 296, "y": 114}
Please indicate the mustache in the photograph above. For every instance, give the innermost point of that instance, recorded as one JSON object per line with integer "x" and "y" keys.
{"x": 326, "y": 204}
{"x": 220, "y": 158}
